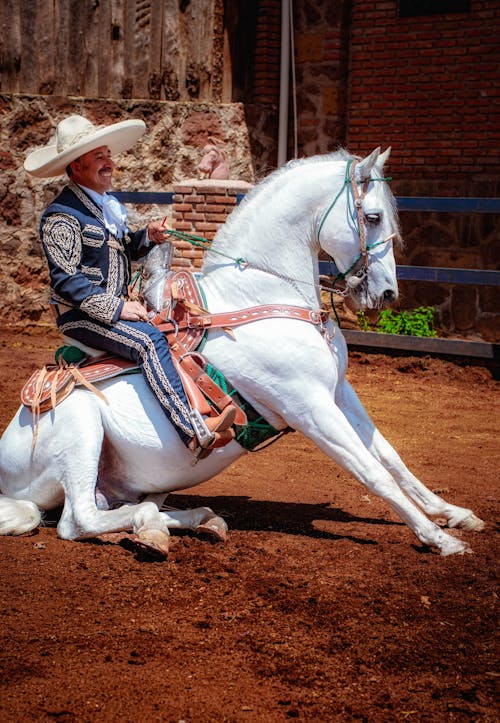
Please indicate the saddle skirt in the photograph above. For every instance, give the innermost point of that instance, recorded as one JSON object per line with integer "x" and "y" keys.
{"x": 48, "y": 386}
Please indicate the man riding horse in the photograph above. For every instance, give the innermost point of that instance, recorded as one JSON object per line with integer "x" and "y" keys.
{"x": 89, "y": 248}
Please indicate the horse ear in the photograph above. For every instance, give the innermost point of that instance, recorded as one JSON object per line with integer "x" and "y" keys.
{"x": 384, "y": 157}
{"x": 364, "y": 167}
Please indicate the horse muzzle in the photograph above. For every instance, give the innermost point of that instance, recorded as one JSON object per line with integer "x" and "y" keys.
{"x": 364, "y": 296}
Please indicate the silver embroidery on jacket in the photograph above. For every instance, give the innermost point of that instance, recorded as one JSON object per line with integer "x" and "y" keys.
{"x": 93, "y": 235}
{"x": 61, "y": 237}
{"x": 93, "y": 274}
{"x": 101, "y": 306}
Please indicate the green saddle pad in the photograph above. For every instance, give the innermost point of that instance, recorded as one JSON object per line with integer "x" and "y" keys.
{"x": 257, "y": 430}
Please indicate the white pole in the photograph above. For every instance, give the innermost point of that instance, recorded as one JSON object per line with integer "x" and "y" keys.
{"x": 284, "y": 83}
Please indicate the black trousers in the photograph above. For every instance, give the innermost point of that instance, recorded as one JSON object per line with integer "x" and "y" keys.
{"x": 147, "y": 347}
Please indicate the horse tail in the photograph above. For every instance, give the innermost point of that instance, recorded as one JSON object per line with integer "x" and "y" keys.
{"x": 18, "y": 516}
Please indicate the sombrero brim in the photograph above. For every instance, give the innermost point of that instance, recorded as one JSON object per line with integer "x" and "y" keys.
{"x": 47, "y": 162}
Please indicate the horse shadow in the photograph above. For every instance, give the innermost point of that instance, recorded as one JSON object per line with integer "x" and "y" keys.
{"x": 244, "y": 513}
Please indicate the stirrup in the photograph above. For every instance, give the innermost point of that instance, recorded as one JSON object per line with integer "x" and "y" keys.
{"x": 212, "y": 432}
{"x": 202, "y": 433}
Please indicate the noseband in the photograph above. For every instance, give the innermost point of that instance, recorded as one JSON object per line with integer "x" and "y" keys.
{"x": 359, "y": 222}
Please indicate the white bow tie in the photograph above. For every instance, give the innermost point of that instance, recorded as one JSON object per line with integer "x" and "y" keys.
{"x": 115, "y": 216}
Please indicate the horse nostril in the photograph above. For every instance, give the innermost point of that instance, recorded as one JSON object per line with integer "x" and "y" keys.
{"x": 389, "y": 296}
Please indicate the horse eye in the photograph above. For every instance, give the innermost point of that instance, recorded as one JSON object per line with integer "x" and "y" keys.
{"x": 373, "y": 218}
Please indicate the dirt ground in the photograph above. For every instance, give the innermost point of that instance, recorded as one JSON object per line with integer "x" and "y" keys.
{"x": 322, "y": 606}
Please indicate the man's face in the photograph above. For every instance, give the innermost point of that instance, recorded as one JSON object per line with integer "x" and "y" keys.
{"x": 94, "y": 169}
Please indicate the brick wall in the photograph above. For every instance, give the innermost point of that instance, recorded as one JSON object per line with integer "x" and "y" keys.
{"x": 200, "y": 208}
{"x": 428, "y": 86}
{"x": 267, "y": 57}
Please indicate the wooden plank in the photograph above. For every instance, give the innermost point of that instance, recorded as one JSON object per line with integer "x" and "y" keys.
{"x": 448, "y": 205}
{"x": 75, "y": 51}
{"x": 159, "y": 197}
{"x": 434, "y": 274}
{"x": 135, "y": 60}
{"x": 29, "y": 48}
{"x": 479, "y": 277}
{"x": 116, "y": 67}
{"x": 10, "y": 45}
{"x": 61, "y": 38}
{"x": 155, "y": 51}
{"x": 45, "y": 48}
{"x": 104, "y": 68}
{"x": 90, "y": 59}
{"x": 144, "y": 32}
{"x": 397, "y": 342}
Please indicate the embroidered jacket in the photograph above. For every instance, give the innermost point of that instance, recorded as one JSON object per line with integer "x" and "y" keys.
{"x": 89, "y": 268}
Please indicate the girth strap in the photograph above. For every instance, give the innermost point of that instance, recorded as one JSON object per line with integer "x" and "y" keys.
{"x": 229, "y": 319}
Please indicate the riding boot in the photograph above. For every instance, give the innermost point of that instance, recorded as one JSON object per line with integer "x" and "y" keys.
{"x": 212, "y": 430}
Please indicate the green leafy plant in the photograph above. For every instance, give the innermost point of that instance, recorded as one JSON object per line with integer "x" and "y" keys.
{"x": 419, "y": 322}
{"x": 363, "y": 321}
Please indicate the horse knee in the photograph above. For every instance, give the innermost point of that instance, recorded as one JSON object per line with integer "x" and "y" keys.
{"x": 147, "y": 516}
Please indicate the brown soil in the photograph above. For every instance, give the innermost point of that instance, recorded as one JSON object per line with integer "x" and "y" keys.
{"x": 321, "y": 607}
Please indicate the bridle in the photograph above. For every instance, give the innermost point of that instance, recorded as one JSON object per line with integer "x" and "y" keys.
{"x": 354, "y": 278}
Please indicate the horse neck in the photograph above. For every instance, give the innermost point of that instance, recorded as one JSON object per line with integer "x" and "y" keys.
{"x": 275, "y": 232}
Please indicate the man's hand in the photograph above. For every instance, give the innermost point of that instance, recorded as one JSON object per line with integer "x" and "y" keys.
{"x": 156, "y": 231}
{"x": 133, "y": 311}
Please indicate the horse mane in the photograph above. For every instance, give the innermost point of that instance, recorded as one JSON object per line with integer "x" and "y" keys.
{"x": 341, "y": 154}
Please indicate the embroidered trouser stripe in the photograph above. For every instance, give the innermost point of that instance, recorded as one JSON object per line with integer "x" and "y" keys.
{"x": 146, "y": 346}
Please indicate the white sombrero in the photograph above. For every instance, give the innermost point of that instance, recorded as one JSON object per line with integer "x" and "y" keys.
{"x": 77, "y": 135}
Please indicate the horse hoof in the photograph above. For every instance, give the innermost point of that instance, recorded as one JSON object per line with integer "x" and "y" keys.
{"x": 455, "y": 547}
{"x": 156, "y": 540}
{"x": 473, "y": 523}
{"x": 216, "y": 527}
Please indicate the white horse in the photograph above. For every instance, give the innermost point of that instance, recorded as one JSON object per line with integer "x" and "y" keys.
{"x": 111, "y": 465}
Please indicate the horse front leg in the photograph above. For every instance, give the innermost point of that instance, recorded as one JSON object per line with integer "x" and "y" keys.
{"x": 429, "y": 502}
{"x": 333, "y": 433}
{"x": 199, "y": 519}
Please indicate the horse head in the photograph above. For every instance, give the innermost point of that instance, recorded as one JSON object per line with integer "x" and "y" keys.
{"x": 214, "y": 163}
{"x": 358, "y": 229}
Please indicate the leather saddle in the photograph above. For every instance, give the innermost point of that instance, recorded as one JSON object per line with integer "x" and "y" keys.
{"x": 182, "y": 299}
